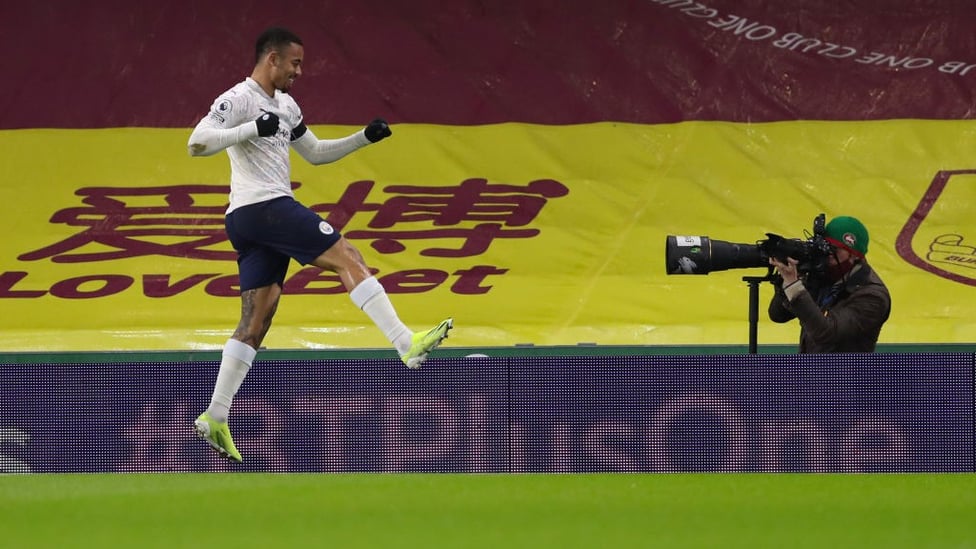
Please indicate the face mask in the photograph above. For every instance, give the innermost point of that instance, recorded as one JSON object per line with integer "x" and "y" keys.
{"x": 837, "y": 272}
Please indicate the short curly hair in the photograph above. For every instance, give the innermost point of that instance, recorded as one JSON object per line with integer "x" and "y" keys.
{"x": 274, "y": 38}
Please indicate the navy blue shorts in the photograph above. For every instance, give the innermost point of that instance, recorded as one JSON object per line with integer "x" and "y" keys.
{"x": 267, "y": 234}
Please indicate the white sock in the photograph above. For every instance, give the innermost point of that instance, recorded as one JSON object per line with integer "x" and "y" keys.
{"x": 370, "y": 296}
{"x": 234, "y": 365}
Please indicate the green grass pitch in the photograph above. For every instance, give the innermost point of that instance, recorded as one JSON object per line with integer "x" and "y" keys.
{"x": 499, "y": 511}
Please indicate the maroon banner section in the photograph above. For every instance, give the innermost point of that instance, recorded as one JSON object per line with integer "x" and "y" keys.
{"x": 117, "y": 63}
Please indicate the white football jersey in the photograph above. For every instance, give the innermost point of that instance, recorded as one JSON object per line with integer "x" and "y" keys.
{"x": 260, "y": 168}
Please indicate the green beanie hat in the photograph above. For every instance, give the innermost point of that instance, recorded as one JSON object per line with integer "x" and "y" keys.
{"x": 848, "y": 233}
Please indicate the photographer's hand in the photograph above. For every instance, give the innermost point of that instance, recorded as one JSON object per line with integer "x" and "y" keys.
{"x": 786, "y": 270}
{"x": 792, "y": 285}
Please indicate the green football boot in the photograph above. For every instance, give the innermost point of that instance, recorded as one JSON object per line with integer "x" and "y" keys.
{"x": 217, "y": 434}
{"x": 424, "y": 342}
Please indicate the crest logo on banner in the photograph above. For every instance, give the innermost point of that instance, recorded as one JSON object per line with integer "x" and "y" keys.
{"x": 940, "y": 235}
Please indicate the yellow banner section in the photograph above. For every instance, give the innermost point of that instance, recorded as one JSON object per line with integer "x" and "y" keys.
{"x": 523, "y": 233}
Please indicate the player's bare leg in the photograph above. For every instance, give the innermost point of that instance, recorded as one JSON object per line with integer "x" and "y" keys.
{"x": 258, "y": 307}
{"x": 368, "y": 294}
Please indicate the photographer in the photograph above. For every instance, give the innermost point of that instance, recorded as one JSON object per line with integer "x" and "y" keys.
{"x": 840, "y": 309}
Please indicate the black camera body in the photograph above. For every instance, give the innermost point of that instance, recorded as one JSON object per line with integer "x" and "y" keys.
{"x": 703, "y": 255}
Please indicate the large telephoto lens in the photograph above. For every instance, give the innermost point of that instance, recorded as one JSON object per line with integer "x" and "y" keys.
{"x": 702, "y": 255}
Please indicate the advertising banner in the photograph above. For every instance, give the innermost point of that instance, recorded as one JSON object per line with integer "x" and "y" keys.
{"x": 738, "y": 413}
{"x": 523, "y": 233}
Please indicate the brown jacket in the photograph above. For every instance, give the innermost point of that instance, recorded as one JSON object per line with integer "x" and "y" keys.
{"x": 847, "y": 323}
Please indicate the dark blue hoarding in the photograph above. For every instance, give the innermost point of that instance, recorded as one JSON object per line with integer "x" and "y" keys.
{"x": 819, "y": 413}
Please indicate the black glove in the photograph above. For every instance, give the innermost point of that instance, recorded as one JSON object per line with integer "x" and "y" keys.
{"x": 377, "y": 130}
{"x": 267, "y": 124}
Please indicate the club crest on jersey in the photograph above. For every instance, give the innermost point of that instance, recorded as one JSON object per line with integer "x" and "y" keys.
{"x": 326, "y": 228}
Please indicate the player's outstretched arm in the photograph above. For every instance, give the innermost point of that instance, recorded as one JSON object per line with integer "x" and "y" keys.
{"x": 208, "y": 139}
{"x": 322, "y": 151}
